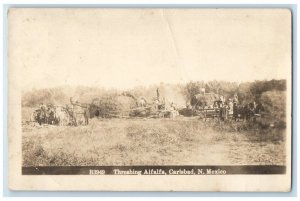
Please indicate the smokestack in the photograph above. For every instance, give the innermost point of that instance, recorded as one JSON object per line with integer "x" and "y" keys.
{"x": 71, "y": 100}
{"x": 157, "y": 94}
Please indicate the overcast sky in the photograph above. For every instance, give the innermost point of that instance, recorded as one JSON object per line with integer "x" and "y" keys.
{"x": 123, "y": 48}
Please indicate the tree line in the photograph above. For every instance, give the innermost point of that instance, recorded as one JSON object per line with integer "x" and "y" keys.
{"x": 174, "y": 92}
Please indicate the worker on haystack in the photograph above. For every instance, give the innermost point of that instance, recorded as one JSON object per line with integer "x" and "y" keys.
{"x": 235, "y": 99}
{"x": 143, "y": 102}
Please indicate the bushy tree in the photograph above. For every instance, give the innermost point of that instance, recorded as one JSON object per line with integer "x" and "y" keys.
{"x": 259, "y": 87}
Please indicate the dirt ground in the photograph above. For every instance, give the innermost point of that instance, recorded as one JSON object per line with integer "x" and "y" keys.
{"x": 179, "y": 141}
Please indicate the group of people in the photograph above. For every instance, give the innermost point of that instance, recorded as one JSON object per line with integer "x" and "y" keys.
{"x": 232, "y": 109}
{"x": 45, "y": 114}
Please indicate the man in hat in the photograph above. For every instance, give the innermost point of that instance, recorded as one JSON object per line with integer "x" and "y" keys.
{"x": 230, "y": 108}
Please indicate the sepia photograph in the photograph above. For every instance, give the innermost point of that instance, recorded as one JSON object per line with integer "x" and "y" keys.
{"x": 150, "y": 99}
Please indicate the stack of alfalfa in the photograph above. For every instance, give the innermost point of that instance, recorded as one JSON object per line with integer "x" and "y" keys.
{"x": 205, "y": 99}
{"x": 113, "y": 106}
{"x": 124, "y": 105}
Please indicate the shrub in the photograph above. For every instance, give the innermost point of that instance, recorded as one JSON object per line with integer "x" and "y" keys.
{"x": 274, "y": 103}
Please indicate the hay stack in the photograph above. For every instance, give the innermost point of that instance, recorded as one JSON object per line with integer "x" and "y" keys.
{"x": 124, "y": 105}
{"x": 112, "y": 106}
{"x": 204, "y": 99}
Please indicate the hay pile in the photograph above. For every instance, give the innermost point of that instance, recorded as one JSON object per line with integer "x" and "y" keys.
{"x": 112, "y": 106}
{"x": 204, "y": 99}
{"x": 124, "y": 105}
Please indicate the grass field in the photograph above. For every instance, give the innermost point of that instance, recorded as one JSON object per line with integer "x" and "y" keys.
{"x": 179, "y": 141}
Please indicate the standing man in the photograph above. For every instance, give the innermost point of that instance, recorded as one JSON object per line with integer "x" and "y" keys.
{"x": 43, "y": 113}
{"x": 252, "y": 108}
{"x": 222, "y": 99}
{"x": 230, "y": 108}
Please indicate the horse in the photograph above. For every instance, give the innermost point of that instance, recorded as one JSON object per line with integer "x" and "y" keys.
{"x": 78, "y": 114}
{"x": 61, "y": 116}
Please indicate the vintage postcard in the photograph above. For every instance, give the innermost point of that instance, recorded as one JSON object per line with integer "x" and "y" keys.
{"x": 141, "y": 99}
